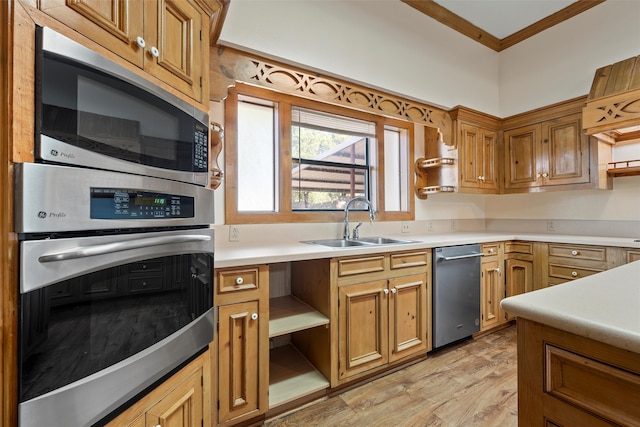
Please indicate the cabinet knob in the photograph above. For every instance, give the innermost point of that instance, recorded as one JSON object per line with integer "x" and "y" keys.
{"x": 574, "y": 253}
{"x": 482, "y": 177}
{"x": 140, "y": 42}
{"x": 239, "y": 281}
{"x": 574, "y": 274}
{"x": 394, "y": 290}
{"x": 254, "y": 316}
{"x": 538, "y": 175}
{"x": 386, "y": 291}
{"x": 544, "y": 175}
{"x": 154, "y": 52}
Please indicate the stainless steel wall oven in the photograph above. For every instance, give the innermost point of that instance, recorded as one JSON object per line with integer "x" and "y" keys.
{"x": 116, "y": 291}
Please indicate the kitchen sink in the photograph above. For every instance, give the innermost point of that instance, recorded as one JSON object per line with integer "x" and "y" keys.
{"x": 364, "y": 241}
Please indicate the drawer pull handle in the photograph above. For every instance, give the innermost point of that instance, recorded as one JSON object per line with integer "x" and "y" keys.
{"x": 574, "y": 273}
{"x": 239, "y": 281}
{"x": 574, "y": 253}
{"x": 254, "y": 316}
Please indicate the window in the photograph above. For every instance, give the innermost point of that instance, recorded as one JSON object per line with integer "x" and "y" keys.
{"x": 289, "y": 159}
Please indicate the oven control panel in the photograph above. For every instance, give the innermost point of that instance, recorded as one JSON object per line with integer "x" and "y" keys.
{"x": 119, "y": 203}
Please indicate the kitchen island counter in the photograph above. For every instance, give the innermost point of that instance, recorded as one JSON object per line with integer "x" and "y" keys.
{"x": 604, "y": 307}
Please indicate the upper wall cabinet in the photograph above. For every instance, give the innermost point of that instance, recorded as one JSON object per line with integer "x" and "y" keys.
{"x": 168, "y": 39}
{"x": 476, "y": 136}
{"x": 546, "y": 148}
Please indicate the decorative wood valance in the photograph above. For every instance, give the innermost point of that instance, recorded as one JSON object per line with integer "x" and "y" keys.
{"x": 612, "y": 112}
{"x": 229, "y": 66}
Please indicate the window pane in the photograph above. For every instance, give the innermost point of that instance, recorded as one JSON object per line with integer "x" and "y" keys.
{"x": 257, "y": 160}
{"x": 396, "y": 185}
{"x": 312, "y": 144}
{"x": 325, "y": 187}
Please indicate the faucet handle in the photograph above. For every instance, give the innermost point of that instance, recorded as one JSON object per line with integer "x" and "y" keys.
{"x": 356, "y": 232}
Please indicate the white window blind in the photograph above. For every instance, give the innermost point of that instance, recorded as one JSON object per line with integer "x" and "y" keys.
{"x": 331, "y": 122}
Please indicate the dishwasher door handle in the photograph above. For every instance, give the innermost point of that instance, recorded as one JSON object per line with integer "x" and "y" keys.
{"x": 453, "y": 258}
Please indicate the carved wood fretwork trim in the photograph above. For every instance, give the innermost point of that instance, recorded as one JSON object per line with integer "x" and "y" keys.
{"x": 611, "y": 113}
{"x": 229, "y": 66}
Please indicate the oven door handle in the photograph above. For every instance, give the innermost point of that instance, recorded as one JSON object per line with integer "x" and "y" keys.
{"x": 453, "y": 258}
{"x": 89, "y": 251}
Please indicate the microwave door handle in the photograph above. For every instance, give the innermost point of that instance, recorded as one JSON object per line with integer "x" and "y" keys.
{"x": 89, "y": 251}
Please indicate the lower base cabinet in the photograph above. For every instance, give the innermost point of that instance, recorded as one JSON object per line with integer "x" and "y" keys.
{"x": 568, "y": 380}
{"x": 383, "y": 316}
{"x": 184, "y": 400}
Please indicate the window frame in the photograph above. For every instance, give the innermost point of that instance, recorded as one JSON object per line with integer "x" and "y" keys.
{"x": 284, "y": 212}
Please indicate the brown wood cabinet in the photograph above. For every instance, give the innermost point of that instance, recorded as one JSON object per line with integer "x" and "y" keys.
{"x": 553, "y": 152}
{"x": 476, "y": 137}
{"x": 243, "y": 318}
{"x": 569, "y": 380}
{"x": 491, "y": 286}
{"x": 518, "y": 269}
{"x": 384, "y": 311}
{"x": 167, "y": 39}
{"x": 184, "y": 400}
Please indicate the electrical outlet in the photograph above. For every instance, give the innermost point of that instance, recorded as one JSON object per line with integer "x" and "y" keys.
{"x": 234, "y": 233}
{"x": 430, "y": 226}
{"x": 551, "y": 226}
{"x": 404, "y": 227}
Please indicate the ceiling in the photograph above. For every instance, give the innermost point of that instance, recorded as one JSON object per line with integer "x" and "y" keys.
{"x": 499, "y": 24}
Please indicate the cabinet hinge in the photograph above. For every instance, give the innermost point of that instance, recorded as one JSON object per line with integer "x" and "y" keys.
{"x": 200, "y": 81}
{"x": 200, "y": 35}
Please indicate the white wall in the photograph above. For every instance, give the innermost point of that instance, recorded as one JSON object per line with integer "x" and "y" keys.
{"x": 560, "y": 63}
{"x": 389, "y": 45}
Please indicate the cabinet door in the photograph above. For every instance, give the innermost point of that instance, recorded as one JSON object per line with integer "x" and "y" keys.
{"x": 182, "y": 407}
{"x": 522, "y": 151}
{"x": 113, "y": 24}
{"x": 470, "y": 150}
{"x": 238, "y": 360}
{"x": 565, "y": 151}
{"x": 518, "y": 278}
{"x": 489, "y": 156}
{"x": 363, "y": 327}
{"x": 491, "y": 293}
{"x": 407, "y": 316}
{"x": 175, "y": 30}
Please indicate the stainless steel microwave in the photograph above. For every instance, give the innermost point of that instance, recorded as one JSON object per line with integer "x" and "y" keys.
{"x": 93, "y": 112}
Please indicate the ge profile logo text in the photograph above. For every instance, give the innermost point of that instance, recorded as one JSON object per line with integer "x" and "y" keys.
{"x": 42, "y": 214}
{"x": 54, "y": 152}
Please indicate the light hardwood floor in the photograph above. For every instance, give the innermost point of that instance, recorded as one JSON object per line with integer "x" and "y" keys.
{"x": 473, "y": 383}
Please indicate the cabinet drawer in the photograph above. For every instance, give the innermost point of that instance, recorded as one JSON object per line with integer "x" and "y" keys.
{"x": 570, "y": 272}
{"x": 360, "y": 265}
{"x": 591, "y": 253}
{"x": 490, "y": 249}
{"x": 243, "y": 279}
{"x": 146, "y": 266}
{"x": 409, "y": 259}
{"x": 594, "y": 387}
{"x": 633, "y": 255}
{"x": 518, "y": 247}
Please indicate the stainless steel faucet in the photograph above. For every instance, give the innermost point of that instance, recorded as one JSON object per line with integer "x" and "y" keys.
{"x": 372, "y": 217}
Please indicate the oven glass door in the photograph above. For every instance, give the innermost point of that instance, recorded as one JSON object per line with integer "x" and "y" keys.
{"x": 125, "y": 294}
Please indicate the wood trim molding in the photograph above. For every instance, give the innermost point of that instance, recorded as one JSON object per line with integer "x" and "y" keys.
{"x": 455, "y": 22}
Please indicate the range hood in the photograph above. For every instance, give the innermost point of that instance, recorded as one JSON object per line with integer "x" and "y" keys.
{"x": 612, "y": 111}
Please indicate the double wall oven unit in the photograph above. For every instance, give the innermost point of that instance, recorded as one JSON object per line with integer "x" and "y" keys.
{"x": 116, "y": 245}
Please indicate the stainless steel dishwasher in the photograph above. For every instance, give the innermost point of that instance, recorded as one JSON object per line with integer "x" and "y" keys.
{"x": 456, "y": 293}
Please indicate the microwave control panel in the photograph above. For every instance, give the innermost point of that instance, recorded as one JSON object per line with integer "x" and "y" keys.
{"x": 119, "y": 203}
{"x": 201, "y": 148}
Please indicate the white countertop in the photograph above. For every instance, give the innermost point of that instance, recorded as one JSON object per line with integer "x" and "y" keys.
{"x": 604, "y": 307}
{"x": 236, "y": 254}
